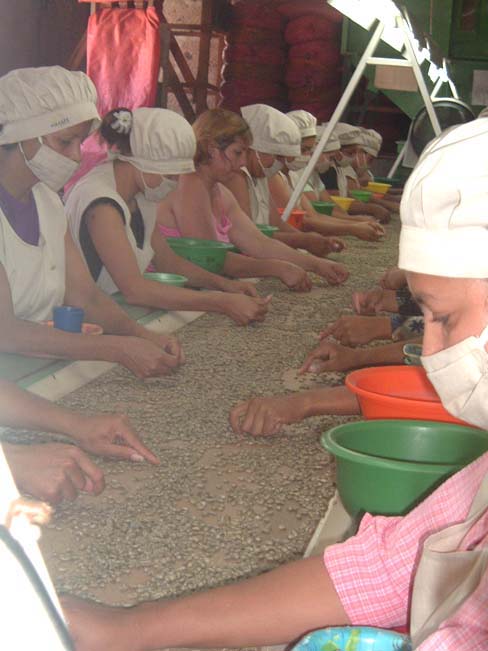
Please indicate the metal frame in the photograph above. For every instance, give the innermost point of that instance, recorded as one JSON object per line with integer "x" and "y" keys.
{"x": 367, "y": 58}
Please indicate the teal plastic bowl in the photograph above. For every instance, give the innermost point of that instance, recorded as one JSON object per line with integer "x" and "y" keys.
{"x": 208, "y": 254}
{"x": 267, "y": 230}
{"x": 167, "y": 279}
{"x": 394, "y": 181}
{"x": 323, "y": 207}
{"x": 353, "y": 638}
{"x": 388, "y": 466}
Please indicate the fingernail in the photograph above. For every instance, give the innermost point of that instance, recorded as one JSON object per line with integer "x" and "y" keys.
{"x": 136, "y": 457}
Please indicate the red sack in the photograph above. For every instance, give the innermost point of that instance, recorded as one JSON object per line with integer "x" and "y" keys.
{"x": 235, "y": 103}
{"x": 295, "y": 9}
{"x": 257, "y": 14}
{"x": 256, "y": 55}
{"x": 311, "y": 28}
{"x": 263, "y": 89}
{"x": 317, "y": 52}
{"x": 300, "y": 73}
{"x": 256, "y": 36}
{"x": 306, "y": 95}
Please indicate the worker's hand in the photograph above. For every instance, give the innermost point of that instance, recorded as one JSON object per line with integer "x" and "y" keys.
{"x": 380, "y": 213}
{"x": 149, "y": 357}
{"x": 245, "y": 309}
{"x": 334, "y": 272}
{"x": 335, "y": 245}
{"x": 329, "y": 356}
{"x": 354, "y": 330}
{"x": 318, "y": 244}
{"x": 294, "y": 277}
{"x": 393, "y": 278}
{"x": 109, "y": 436}
{"x": 266, "y": 416}
{"x": 53, "y": 472}
{"x": 239, "y": 287}
{"x": 374, "y": 301}
{"x": 369, "y": 231}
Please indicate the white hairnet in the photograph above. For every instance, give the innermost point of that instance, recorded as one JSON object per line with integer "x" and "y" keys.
{"x": 444, "y": 208}
{"x": 38, "y": 101}
{"x": 305, "y": 121}
{"x": 161, "y": 142}
{"x": 333, "y": 143}
{"x": 348, "y": 134}
{"x": 372, "y": 141}
{"x": 272, "y": 131}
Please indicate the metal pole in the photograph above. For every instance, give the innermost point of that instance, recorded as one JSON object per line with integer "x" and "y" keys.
{"x": 346, "y": 96}
{"x": 420, "y": 79}
{"x": 399, "y": 159}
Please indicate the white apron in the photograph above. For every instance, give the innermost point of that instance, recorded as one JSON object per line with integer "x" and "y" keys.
{"x": 36, "y": 274}
{"x": 259, "y": 198}
{"x": 445, "y": 577}
{"x": 98, "y": 183}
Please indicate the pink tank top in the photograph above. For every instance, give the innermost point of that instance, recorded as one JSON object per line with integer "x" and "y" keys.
{"x": 222, "y": 226}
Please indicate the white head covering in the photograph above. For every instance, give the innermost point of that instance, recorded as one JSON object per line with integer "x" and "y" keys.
{"x": 333, "y": 143}
{"x": 305, "y": 121}
{"x": 38, "y": 101}
{"x": 444, "y": 208}
{"x": 161, "y": 142}
{"x": 372, "y": 141}
{"x": 348, "y": 134}
{"x": 272, "y": 131}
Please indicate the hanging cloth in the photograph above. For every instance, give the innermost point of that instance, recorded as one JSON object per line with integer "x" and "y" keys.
{"x": 123, "y": 60}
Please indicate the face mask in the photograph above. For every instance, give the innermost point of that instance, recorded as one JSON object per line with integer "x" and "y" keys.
{"x": 161, "y": 191}
{"x": 346, "y": 161}
{"x": 460, "y": 377}
{"x": 298, "y": 163}
{"x": 323, "y": 165}
{"x": 53, "y": 169}
{"x": 276, "y": 167}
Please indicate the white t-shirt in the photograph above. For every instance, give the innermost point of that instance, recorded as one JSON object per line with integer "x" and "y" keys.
{"x": 36, "y": 274}
{"x": 259, "y": 198}
{"x": 100, "y": 183}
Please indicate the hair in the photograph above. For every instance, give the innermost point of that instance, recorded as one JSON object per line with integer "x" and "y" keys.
{"x": 114, "y": 138}
{"x": 220, "y": 127}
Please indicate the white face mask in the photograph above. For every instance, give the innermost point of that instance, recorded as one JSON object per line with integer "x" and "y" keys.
{"x": 298, "y": 163}
{"x": 346, "y": 161}
{"x": 161, "y": 191}
{"x": 276, "y": 167}
{"x": 323, "y": 165}
{"x": 53, "y": 169}
{"x": 460, "y": 377}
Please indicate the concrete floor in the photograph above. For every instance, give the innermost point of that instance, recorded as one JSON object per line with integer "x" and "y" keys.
{"x": 219, "y": 507}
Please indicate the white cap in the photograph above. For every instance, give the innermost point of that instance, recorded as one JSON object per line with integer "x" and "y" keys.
{"x": 333, "y": 143}
{"x": 348, "y": 134}
{"x": 372, "y": 141}
{"x": 305, "y": 121}
{"x": 161, "y": 142}
{"x": 272, "y": 132}
{"x": 38, "y": 101}
{"x": 444, "y": 208}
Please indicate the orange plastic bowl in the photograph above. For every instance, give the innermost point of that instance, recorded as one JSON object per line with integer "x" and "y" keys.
{"x": 86, "y": 328}
{"x": 397, "y": 392}
{"x": 295, "y": 219}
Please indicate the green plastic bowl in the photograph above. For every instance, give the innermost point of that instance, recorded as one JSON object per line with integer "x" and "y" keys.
{"x": 167, "y": 279}
{"x": 361, "y": 195}
{"x": 208, "y": 254}
{"x": 267, "y": 230}
{"x": 388, "y": 466}
{"x": 323, "y": 207}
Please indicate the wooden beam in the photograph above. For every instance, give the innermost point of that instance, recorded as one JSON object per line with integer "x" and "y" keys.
{"x": 79, "y": 53}
{"x": 179, "y": 57}
{"x": 165, "y": 40}
{"x": 204, "y": 57}
{"x": 180, "y": 94}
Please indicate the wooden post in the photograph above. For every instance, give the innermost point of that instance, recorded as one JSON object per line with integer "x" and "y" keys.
{"x": 201, "y": 85}
{"x": 165, "y": 40}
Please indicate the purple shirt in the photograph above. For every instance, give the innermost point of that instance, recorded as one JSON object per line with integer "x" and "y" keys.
{"x": 22, "y": 216}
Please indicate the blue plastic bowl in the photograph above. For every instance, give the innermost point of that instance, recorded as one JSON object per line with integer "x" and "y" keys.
{"x": 353, "y": 638}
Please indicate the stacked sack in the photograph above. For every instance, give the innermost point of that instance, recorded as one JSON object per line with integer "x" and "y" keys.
{"x": 313, "y": 73}
{"x": 254, "y": 57}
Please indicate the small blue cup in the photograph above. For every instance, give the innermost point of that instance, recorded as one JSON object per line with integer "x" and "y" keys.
{"x": 69, "y": 318}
